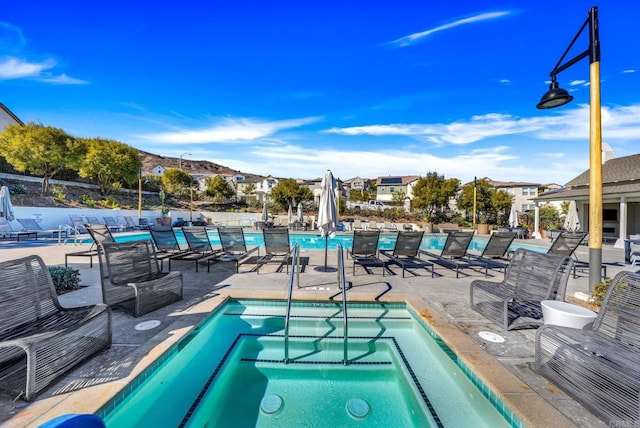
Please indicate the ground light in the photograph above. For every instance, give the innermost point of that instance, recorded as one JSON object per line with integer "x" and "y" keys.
{"x": 556, "y": 97}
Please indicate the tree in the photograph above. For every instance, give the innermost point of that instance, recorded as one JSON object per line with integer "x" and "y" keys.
{"x": 502, "y": 201}
{"x": 484, "y": 205}
{"x": 219, "y": 189}
{"x": 110, "y": 163}
{"x": 289, "y": 192}
{"x": 432, "y": 193}
{"x": 175, "y": 180}
{"x": 41, "y": 150}
{"x": 398, "y": 197}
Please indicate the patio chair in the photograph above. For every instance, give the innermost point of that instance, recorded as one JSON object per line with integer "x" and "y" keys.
{"x": 30, "y": 224}
{"x": 454, "y": 250}
{"x": 77, "y": 223}
{"x": 277, "y": 248}
{"x": 405, "y": 252}
{"x": 99, "y": 233}
{"x": 112, "y": 224}
{"x": 39, "y": 339}
{"x": 364, "y": 251}
{"x": 6, "y": 231}
{"x": 91, "y": 219}
{"x": 132, "y": 280}
{"x": 531, "y": 277}
{"x": 199, "y": 246}
{"x": 495, "y": 253}
{"x": 566, "y": 243}
{"x": 166, "y": 245}
{"x": 234, "y": 247}
{"x": 599, "y": 366}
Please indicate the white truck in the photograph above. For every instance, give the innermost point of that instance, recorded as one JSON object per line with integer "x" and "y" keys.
{"x": 370, "y": 205}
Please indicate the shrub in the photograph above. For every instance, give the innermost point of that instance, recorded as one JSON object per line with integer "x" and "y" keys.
{"x": 109, "y": 202}
{"x": 65, "y": 279}
{"x": 59, "y": 192}
{"x": 88, "y": 201}
{"x": 17, "y": 189}
{"x": 600, "y": 290}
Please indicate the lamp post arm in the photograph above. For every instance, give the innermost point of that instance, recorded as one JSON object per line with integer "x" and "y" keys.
{"x": 593, "y": 52}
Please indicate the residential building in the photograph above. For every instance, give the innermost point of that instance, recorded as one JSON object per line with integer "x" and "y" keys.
{"x": 158, "y": 170}
{"x": 7, "y": 117}
{"x": 620, "y": 197}
{"x": 388, "y": 185}
{"x": 357, "y": 183}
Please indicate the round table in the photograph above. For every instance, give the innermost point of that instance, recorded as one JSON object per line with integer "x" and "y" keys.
{"x": 567, "y": 314}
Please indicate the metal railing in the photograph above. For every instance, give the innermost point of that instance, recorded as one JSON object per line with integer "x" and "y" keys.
{"x": 342, "y": 284}
{"x": 295, "y": 273}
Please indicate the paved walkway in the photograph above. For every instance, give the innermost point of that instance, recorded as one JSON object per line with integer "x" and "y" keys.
{"x": 443, "y": 300}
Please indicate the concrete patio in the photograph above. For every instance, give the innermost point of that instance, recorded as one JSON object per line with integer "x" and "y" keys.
{"x": 508, "y": 368}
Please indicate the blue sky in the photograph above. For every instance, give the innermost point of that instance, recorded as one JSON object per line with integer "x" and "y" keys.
{"x": 292, "y": 88}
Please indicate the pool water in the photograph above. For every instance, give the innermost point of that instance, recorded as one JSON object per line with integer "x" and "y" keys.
{"x": 230, "y": 372}
{"x": 313, "y": 241}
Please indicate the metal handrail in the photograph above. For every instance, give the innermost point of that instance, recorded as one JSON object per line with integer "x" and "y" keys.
{"x": 295, "y": 273}
{"x": 342, "y": 283}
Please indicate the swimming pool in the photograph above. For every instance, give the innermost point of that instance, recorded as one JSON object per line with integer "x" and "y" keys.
{"x": 313, "y": 241}
{"x": 230, "y": 372}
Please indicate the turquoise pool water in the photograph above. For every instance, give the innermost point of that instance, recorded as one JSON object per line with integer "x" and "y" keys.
{"x": 313, "y": 241}
{"x": 230, "y": 372}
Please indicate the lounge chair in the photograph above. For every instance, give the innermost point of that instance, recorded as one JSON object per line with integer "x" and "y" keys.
{"x": 277, "y": 248}
{"x": 7, "y": 232}
{"x": 130, "y": 223}
{"x": 90, "y": 219}
{"x": 566, "y": 244}
{"x": 364, "y": 251}
{"x": 234, "y": 247}
{"x": 372, "y": 225}
{"x": 30, "y": 224}
{"x": 112, "y": 224}
{"x": 77, "y": 223}
{"x": 495, "y": 253}
{"x": 453, "y": 252}
{"x": 531, "y": 277}
{"x": 166, "y": 245}
{"x": 599, "y": 366}
{"x": 406, "y": 252}
{"x": 39, "y": 339}
{"x": 99, "y": 233}
{"x": 131, "y": 278}
{"x": 199, "y": 246}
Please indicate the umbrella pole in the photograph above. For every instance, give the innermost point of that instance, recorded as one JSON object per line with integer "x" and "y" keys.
{"x": 326, "y": 245}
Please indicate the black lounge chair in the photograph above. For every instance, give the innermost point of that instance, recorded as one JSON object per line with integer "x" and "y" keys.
{"x": 453, "y": 252}
{"x": 167, "y": 246}
{"x": 100, "y": 234}
{"x": 277, "y": 248}
{"x": 566, "y": 243}
{"x": 405, "y": 252}
{"x": 495, "y": 253}
{"x": 199, "y": 246}
{"x": 364, "y": 251}
{"x": 234, "y": 247}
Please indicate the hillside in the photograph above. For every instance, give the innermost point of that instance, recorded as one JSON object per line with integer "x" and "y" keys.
{"x": 150, "y": 160}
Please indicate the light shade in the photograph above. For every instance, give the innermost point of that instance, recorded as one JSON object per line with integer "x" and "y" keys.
{"x": 555, "y": 97}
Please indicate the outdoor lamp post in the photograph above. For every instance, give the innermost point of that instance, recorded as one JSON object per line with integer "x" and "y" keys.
{"x": 180, "y": 160}
{"x": 556, "y": 97}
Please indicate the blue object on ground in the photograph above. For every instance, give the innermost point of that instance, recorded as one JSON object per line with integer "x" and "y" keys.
{"x": 75, "y": 421}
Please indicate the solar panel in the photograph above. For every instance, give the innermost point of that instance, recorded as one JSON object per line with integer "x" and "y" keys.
{"x": 391, "y": 180}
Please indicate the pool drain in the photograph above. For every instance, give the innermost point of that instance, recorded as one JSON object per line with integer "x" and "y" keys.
{"x": 271, "y": 404}
{"x": 147, "y": 325}
{"x": 358, "y": 408}
{"x": 491, "y": 336}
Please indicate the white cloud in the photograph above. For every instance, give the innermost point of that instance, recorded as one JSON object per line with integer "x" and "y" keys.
{"x": 11, "y": 38}
{"x": 12, "y": 68}
{"x": 577, "y": 82}
{"x": 229, "y": 130}
{"x": 505, "y": 81}
{"x": 416, "y": 37}
{"x": 628, "y": 71}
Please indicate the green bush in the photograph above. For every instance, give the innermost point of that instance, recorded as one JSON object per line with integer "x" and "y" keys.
{"x": 88, "y": 201}
{"x": 600, "y": 290}
{"x": 17, "y": 189}
{"x": 65, "y": 279}
{"x": 59, "y": 192}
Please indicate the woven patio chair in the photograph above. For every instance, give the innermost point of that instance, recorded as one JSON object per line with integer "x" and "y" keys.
{"x": 132, "y": 280}
{"x": 531, "y": 277}
{"x": 234, "y": 247}
{"x": 40, "y": 340}
{"x": 599, "y": 366}
{"x": 405, "y": 252}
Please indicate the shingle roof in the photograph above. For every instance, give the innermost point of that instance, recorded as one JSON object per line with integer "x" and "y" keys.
{"x": 404, "y": 179}
{"x": 614, "y": 170}
{"x": 7, "y": 117}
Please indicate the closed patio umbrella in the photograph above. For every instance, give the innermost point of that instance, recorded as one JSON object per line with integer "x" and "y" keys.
{"x": 300, "y": 215}
{"x": 265, "y": 211}
{"x": 290, "y": 215}
{"x": 6, "y": 209}
{"x": 328, "y": 211}
{"x": 513, "y": 217}
{"x": 571, "y": 221}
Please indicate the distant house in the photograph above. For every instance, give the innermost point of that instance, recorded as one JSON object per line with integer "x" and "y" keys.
{"x": 158, "y": 170}
{"x": 620, "y": 197}
{"x": 388, "y": 185}
{"x": 523, "y": 193}
{"x": 357, "y": 183}
{"x": 8, "y": 118}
